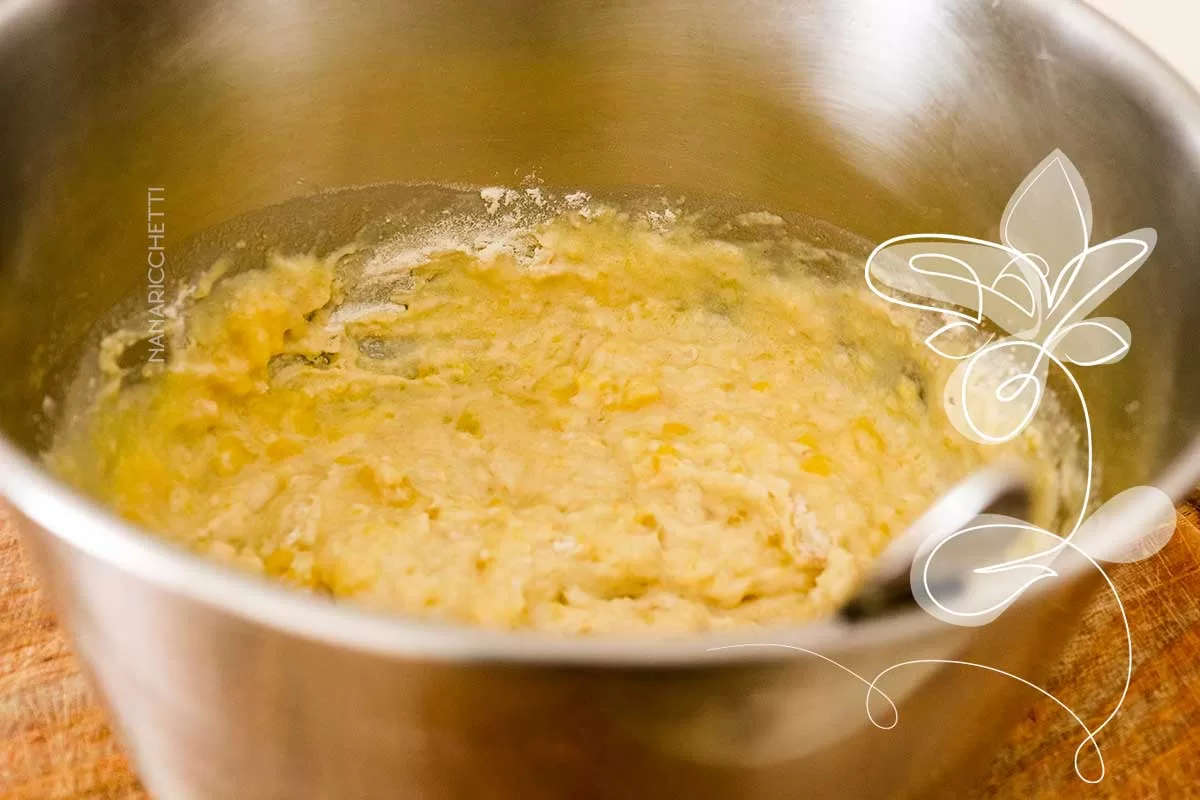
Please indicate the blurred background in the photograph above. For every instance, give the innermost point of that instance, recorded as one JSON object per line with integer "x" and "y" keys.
{"x": 1169, "y": 26}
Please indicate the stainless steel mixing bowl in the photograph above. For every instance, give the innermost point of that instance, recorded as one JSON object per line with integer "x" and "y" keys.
{"x": 883, "y": 117}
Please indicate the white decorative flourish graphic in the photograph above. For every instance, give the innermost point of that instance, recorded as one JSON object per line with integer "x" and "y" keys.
{"x": 1037, "y": 285}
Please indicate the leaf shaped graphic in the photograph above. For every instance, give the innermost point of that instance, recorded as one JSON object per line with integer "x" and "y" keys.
{"x": 993, "y": 396}
{"x": 1049, "y": 214}
{"x": 1131, "y": 526}
{"x": 1029, "y": 572}
{"x": 970, "y": 577}
{"x": 944, "y": 342}
{"x": 1020, "y": 291}
{"x": 1101, "y": 340}
{"x": 967, "y": 278}
{"x": 1094, "y": 274}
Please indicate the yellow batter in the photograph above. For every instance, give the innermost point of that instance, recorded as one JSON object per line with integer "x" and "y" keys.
{"x": 626, "y": 428}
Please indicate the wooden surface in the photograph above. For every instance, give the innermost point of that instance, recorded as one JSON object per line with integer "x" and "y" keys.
{"x": 54, "y": 743}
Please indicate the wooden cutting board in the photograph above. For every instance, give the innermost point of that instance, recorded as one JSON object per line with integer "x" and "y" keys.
{"x": 54, "y": 742}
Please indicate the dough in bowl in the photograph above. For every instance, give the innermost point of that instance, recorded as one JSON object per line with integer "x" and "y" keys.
{"x": 598, "y": 423}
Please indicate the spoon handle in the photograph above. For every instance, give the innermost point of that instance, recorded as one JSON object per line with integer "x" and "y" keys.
{"x": 888, "y": 588}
